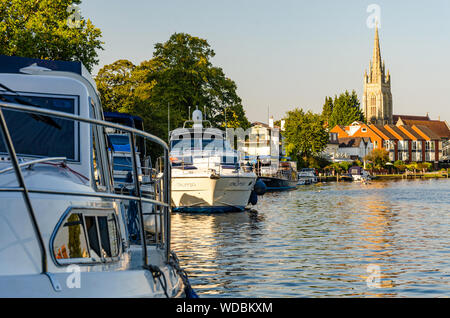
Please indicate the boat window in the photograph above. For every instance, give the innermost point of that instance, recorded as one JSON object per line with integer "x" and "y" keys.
{"x": 92, "y": 233}
{"x": 70, "y": 241}
{"x": 38, "y": 135}
{"x": 87, "y": 237}
{"x": 108, "y": 236}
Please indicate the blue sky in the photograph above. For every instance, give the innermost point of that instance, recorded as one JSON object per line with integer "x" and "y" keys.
{"x": 286, "y": 54}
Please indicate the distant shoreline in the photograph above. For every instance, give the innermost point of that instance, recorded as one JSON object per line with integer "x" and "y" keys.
{"x": 429, "y": 175}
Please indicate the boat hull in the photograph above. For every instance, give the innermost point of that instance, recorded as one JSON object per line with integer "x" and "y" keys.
{"x": 207, "y": 194}
{"x": 278, "y": 184}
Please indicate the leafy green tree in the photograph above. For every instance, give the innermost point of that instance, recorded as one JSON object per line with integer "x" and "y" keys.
{"x": 400, "y": 165}
{"x": 424, "y": 166}
{"x": 178, "y": 77}
{"x": 40, "y": 29}
{"x": 116, "y": 84}
{"x": 346, "y": 109}
{"x": 327, "y": 110}
{"x": 378, "y": 158}
{"x": 345, "y": 165}
{"x": 305, "y": 134}
{"x": 185, "y": 78}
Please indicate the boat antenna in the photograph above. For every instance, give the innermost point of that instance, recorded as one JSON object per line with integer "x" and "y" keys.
{"x": 168, "y": 122}
{"x": 226, "y": 126}
{"x": 189, "y": 112}
{"x": 204, "y": 112}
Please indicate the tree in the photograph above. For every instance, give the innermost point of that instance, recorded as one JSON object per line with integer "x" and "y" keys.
{"x": 327, "y": 110}
{"x": 185, "y": 78}
{"x": 378, "y": 158}
{"x": 305, "y": 134}
{"x": 116, "y": 84}
{"x": 178, "y": 77}
{"x": 40, "y": 29}
{"x": 345, "y": 165}
{"x": 400, "y": 165}
{"x": 346, "y": 109}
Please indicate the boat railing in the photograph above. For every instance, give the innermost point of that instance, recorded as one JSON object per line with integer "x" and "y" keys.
{"x": 160, "y": 199}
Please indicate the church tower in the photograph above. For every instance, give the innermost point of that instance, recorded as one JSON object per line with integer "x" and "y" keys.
{"x": 377, "y": 97}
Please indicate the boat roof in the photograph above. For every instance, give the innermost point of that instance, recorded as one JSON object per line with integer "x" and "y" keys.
{"x": 14, "y": 64}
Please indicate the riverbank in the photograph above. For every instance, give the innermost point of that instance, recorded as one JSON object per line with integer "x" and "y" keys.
{"x": 428, "y": 175}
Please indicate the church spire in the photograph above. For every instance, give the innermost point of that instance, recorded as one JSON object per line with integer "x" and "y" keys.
{"x": 377, "y": 96}
{"x": 376, "y": 70}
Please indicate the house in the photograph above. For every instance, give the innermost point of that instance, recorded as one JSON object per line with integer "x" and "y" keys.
{"x": 332, "y": 147}
{"x": 417, "y": 142}
{"x": 356, "y": 148}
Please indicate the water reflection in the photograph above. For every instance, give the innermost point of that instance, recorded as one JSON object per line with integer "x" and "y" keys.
{"x": 322, "y": 240}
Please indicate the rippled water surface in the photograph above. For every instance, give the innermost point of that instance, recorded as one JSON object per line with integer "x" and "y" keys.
{"x": 324, "y": 240}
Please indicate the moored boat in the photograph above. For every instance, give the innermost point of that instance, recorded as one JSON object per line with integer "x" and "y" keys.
{"x": 307, "y": 175}
{"x": 65, "y": 231}
{"x": 206, "y": 173}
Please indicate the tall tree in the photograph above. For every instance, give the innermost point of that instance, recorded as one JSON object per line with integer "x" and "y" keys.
{"x": 185, "y": 78}
{"x": 346, "y": 109}
{"x": 327, "y": 110}
{"x": 305, "y": 134}
{"x": 116, "y": 83}
{"x": 179, "y": 76}
{"x": 42, "y": 29}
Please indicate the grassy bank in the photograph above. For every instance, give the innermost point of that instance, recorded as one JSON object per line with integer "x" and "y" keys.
{"x": 431, "y": 175}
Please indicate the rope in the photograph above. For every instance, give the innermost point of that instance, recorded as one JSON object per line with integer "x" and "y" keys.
{"x": 157, "y": 273}
{"x": 189, "y": 291}
{"x": 65, "y": 166}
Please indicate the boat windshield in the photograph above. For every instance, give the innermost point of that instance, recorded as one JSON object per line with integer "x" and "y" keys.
{"x": 217, "y": 145}
{"x": 42, "y": 136}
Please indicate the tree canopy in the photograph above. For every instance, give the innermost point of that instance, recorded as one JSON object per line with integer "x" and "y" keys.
{"x": 345, "y": 109}
{"x": 180, "y": 76}
{"x": 40, "y": 29}
{"x": 305, "y": 134}
{"x": 327, "y": 110}
{"x": 378, "y": 158}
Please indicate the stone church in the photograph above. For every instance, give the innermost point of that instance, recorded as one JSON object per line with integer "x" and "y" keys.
{"x": 377, "y": 97}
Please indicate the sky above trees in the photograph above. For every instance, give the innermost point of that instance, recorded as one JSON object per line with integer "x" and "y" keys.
{"x": 293, "y": 53}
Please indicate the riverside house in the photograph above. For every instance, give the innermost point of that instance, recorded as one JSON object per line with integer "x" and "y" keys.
{"x": 417, "y": 142}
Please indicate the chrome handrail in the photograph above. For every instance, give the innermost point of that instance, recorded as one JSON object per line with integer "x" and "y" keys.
{"x": 32, "y": 162}
{"x": 164, "y": 203}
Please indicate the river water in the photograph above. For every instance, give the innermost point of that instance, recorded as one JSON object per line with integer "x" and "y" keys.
{"x": 383, "y": 239}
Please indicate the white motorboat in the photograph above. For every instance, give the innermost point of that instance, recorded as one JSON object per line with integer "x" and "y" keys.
{"x": 206, "y": 174}
{"x": 64, "y": 230}
{"x": 307, "y": 176}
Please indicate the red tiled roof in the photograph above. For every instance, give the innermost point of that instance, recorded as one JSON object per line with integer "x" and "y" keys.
{"x": 440, "y": 128}
{"x": 398, "y": 132}
{"x": 409, "y": 117}
{"x": 411, "y": 132}
{"x": 428, "y": 132}
{"x": 384, "y": 131}
{"x": 352, "y": 141}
